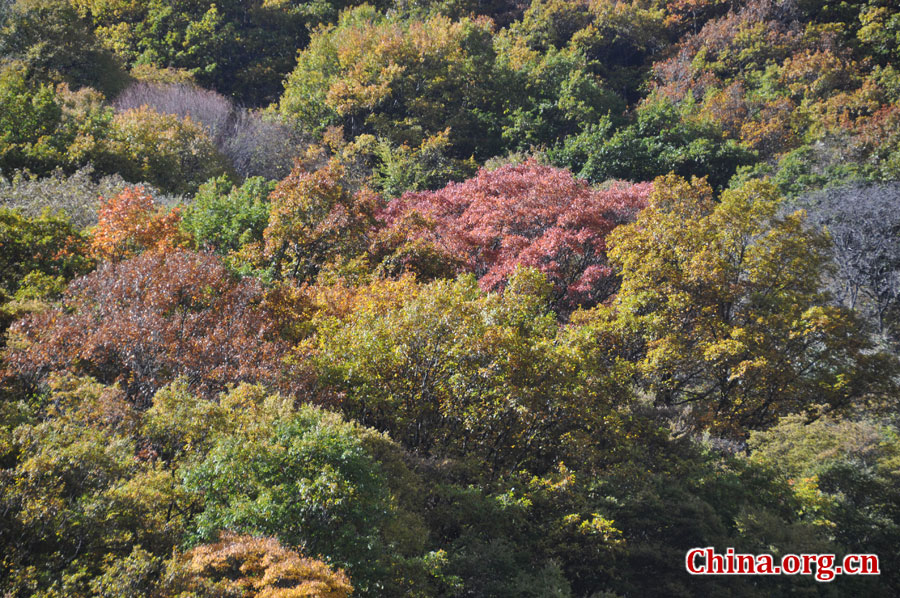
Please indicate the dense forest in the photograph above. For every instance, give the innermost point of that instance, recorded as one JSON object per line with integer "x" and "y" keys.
{"x": 446, "y": 298}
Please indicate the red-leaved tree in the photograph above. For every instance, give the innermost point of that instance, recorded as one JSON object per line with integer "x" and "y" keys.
{"x": 146, "y": 321}
{"x": 523, "y": 215}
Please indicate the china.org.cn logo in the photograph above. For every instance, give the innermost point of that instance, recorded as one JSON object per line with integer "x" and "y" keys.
{"x": 825, "y": 567}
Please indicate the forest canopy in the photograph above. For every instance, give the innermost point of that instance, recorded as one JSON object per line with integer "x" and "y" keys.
{"x": 446, "y": 299}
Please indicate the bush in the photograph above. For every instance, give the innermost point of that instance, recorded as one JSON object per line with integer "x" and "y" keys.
{"x": 247, "y": 567}
{"x": 43, "y": 128}
{"x": 306, "y": 479}
{"x": 131, "y": 222}
{"x": 46, "y": 244}
{"x": 56, "y": 45}
{"x": 145, "y": 321}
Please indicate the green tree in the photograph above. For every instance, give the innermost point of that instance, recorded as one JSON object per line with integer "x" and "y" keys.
{"x": 428, "y": 166}
{"x": 844, "y": 474}
{"x": 306, "y": 477}
{"x": 662, "y": 139}
{"x": 56, "y": 45}
{"x": 74, "y": 493}
{"x": 30, "y": 122}
{"x": 242, "y": 49}
{"x": 616, "y": 39}
{"x": 404, "y": 80}
{"x": 47, "y": 244}
{"x": 556, "y": 94}
{"x": 448, "y": 370}
{"x": 225, "y": 217}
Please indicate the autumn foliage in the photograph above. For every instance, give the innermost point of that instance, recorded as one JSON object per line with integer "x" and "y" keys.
{"x": 525, "y": 215}
{"x": 726, "y": 297}
{"x": 315, "y": 219}
{"x": 446, "y": 298}
{"x": 145, "y": 321}
{"x": 248, "y": 567}
{"x": 131, "y": 222}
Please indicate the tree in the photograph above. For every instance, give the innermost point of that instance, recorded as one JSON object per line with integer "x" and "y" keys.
{"x": 247, "y": 567}
{"x": 310, "y": 479}
{"x": 525, "y": 215}
{"x": 404, "y": 80}
{"x": 616, "y": 39}
{"x": 691, "y": 15}
{"x": 780, "y": 76}
{"x": 662, "y": 139}
{"x": 39, "y": 256}
{"x": 862, "y": 224}
{"x": 880, "y": 29}
{"x": 130, "y": 222}
{"x": 843, "y": 473}
{"x": 74, "y": 492}
{"x": 174, "y": 154}
{"x": 314, "y": 219}
{"x": 727, "y": 298}
{"x": 426, "y": 167}
{"x": 43, "y": 128}
{"x": 556, "y": 94}
{"x": 241, "y": 49}
{"x": 56, "y": 45}
{"x": 46, "y": 244}
{"x": 670, "y": 495}
{"x": 225, "y": 217}
{"x": 145, "y": 321}
{"x": 255, "y": 143}
{"x": 450, "y": 371}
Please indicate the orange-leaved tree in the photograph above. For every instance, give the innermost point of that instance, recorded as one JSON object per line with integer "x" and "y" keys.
{"x": 315, "y": 219}
{"x": 131, "y": 222}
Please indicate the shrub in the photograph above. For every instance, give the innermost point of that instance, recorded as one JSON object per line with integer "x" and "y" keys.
{"x": 173, "y": 153}
{"x": 130, "y": 222}
{"x": 224, "y": 217}
{"x": 255, "y": 144}
{"x": 46, "y": 244}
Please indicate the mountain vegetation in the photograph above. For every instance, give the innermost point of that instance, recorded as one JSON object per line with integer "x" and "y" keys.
{"x": 446, "y": 298}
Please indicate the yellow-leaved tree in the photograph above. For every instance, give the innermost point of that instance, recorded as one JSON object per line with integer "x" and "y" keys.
{"x": 726, "y": 300}
{"x": 249, "y": 567}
